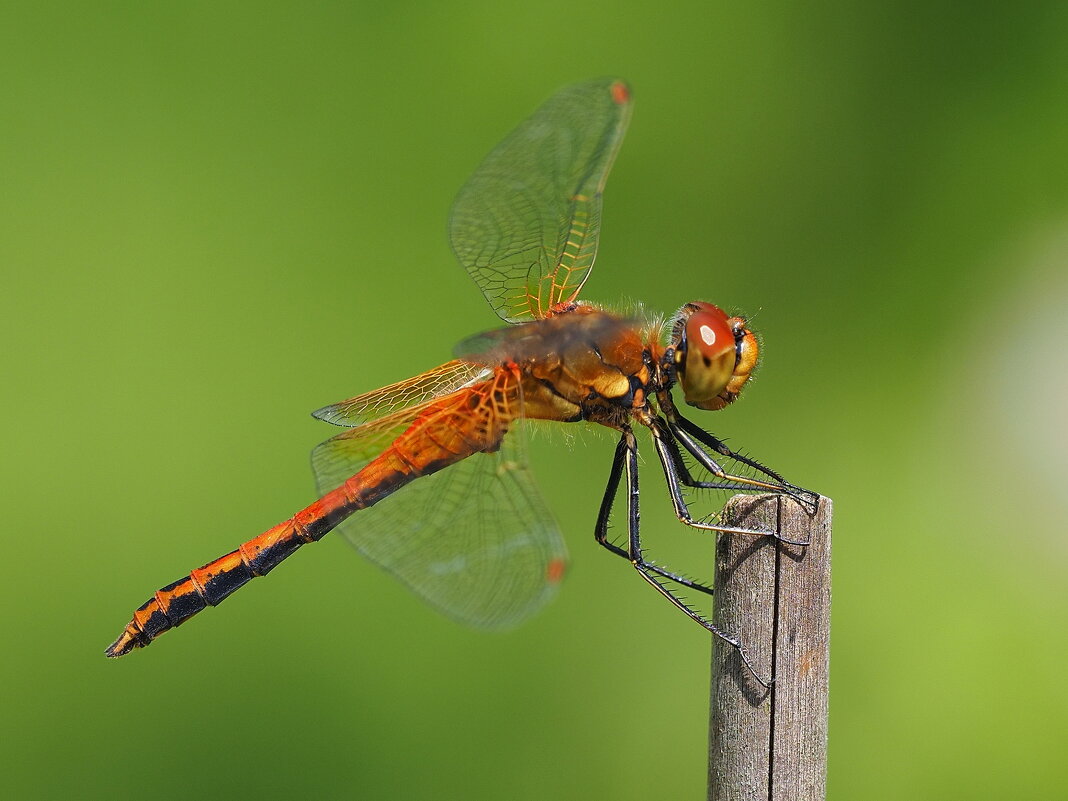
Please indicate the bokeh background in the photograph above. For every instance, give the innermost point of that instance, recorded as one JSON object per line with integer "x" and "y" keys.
{"x": 215, "y": 217}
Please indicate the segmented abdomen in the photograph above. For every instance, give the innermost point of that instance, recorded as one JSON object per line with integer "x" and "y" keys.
{"x": 448, "y": 430}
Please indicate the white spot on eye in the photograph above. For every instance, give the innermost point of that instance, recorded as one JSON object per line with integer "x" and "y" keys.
{"x": 708, "y": 335}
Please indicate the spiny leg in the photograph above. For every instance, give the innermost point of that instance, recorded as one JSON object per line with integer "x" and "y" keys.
{"x": 720, "y": 447}
{"x": 600, "y": 530}
{"x": 677, "y": 474}
{"x": 603, "y": 517}
{"x": 690, "y": 434}
{"x": 688, "y": 437}
{"x": 649, "y": 572}
{"x": 675, "y": 420}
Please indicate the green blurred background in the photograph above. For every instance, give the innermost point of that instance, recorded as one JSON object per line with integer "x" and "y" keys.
{"x": 217, "y": 217}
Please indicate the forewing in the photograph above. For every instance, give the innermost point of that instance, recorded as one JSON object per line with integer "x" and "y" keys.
{"x": 442, "y": 380}
{"x": 527, "y": 222}
{"x": 474, "y": 539}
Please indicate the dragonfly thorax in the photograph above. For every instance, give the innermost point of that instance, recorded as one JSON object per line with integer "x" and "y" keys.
{"x": 712, "y": 354}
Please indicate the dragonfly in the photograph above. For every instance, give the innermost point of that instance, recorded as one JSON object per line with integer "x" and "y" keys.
{"x": 429, "y": 477}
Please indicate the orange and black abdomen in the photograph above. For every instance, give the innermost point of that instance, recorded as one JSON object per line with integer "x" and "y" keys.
{"x": 214, "y": 582}
{"x": 448, "y": 430}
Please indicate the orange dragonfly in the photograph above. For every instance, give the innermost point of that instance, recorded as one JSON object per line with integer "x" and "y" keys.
{"x": 443, "y": 496}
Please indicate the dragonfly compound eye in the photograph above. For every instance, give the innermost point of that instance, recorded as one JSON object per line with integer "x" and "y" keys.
{"x": 718, "y": 354}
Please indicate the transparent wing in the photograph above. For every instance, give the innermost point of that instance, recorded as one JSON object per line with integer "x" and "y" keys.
{"x": 527, "y": 222}
{"x": 474, "y": 539}
{"x": 442, "y": 380}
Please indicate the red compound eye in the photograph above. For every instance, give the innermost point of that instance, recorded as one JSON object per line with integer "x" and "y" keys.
{"x": 717, "y": 355}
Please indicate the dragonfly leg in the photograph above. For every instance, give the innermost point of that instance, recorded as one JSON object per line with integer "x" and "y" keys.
{"x": 677, "y": 474}
{"x": 692, "y": 437}
{"x": 601, "y": 529}
{"x": 628, "y": 449}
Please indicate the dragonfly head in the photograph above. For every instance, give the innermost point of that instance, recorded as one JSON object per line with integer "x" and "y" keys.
{"x": 713, "y": 354}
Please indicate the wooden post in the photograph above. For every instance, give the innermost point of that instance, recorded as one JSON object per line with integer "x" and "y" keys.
{"x": 771, "y": 744}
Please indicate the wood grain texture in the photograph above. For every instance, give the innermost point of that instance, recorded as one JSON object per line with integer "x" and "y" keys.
{"x": 771, "y": 744}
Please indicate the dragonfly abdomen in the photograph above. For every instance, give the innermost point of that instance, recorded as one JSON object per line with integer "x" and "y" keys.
{"x": 439, "y": 437}
{"x": 211, "y": 584}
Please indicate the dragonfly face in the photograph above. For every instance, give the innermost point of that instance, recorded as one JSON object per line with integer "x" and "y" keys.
{"x": 428, "y": 477}
{"x": 713, "y": 355}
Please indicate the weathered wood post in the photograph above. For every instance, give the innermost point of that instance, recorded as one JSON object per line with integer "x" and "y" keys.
{"x": 771, "y": 744}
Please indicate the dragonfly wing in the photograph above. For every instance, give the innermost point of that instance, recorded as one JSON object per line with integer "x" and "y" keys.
{"x": 526, "y": 224}
{"x": 474, "y": 539}
{"x": 442, "y": 380}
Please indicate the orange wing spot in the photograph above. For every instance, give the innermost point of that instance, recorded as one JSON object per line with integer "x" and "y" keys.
{"x": 620, "y": 92}
{"x": 555, "y": 570}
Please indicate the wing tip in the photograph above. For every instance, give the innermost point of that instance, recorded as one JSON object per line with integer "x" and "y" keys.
{"x": 323, "y": 413}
